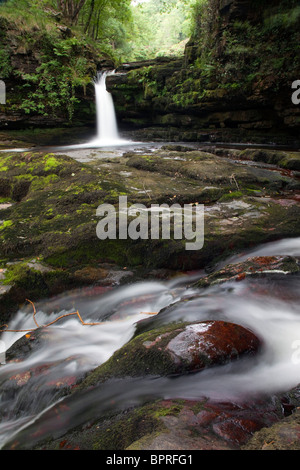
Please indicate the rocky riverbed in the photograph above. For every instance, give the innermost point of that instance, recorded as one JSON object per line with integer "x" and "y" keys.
{"x": 50, "y": 254}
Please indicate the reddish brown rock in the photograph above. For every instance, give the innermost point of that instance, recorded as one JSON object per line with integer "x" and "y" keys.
{"x": 178, "y": 349}
{"x": 251, "y": 268}
{"x": 163, "y": 425}
{"x": 209, "y": 425}
{"x": 212, "y": 342}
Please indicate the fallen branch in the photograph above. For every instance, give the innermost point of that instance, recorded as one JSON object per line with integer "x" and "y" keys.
{"x": 48, "y": 324}
{"x": 54, "y": 321}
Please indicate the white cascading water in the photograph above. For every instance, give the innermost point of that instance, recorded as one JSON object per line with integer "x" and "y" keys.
{"x": 271, "y": 310}
{"x": 106, "y": 121}
{"x": 107, "y": 128}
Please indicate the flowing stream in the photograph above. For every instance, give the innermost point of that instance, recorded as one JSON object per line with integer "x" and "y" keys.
{"x": 269, "y": 308}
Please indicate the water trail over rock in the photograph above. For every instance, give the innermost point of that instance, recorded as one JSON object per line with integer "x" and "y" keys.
{"x": 269, "y": 307}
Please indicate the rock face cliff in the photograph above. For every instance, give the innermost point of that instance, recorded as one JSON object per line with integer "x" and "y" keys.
{"x": 234, "y": 81}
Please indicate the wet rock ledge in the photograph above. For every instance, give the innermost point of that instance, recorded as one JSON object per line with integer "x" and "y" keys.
{"x": 48, "y": 214}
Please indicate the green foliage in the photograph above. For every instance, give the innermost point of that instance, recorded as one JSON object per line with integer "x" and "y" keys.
{"x": 5, "y": 65}
{"x": 222, "y": 57}
{"x": 245, "y": 51}
{"x": 159, "y": 27}
{"x": 66, "y": 61}
{"x": 200, "y": 18}
{"x": 101, "y": 23}
{"x": 52, "y": 87}
{"x": 102, "y": 20}
{"x": 281, "y": 21}
{"x": 233, "y": 58}
{"x": 25, "y": 13}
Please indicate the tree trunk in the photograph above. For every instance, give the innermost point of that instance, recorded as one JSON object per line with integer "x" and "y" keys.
{"x": 76, "y": 10}
{"x": 87, "y": 25}
{"x": 97, "y": 25}
{"x": 71, "y": 9}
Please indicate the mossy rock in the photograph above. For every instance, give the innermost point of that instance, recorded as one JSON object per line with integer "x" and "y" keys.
{"x": 177, "y": 349}
{"x": 280, "y": 436}
{"x": 283, "y": 159}
{"x": 53, "y": 213}
{"x": 267, "y": 267}
{"x": 112, "y": 431}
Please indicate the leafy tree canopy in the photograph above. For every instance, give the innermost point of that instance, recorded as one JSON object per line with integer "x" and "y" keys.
{"x": 158, "y": 27}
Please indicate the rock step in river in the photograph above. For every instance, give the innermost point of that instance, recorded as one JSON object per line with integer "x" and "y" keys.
{"x": 214, "y": 397}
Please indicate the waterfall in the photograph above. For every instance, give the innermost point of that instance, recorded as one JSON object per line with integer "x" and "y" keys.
{"x": 107, "y": 129}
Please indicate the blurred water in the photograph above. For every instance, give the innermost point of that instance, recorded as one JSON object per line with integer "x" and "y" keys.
{"x": 270, "y": 308}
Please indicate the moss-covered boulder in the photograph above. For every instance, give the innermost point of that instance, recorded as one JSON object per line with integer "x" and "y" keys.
{"x": 283, "y": 159}
{"x": 178, "y": 349}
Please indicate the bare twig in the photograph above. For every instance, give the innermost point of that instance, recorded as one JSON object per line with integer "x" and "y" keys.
{"x": 232, "y": 178}
{"x": 54, "y": 321}
{"x": 48, "y": 324}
